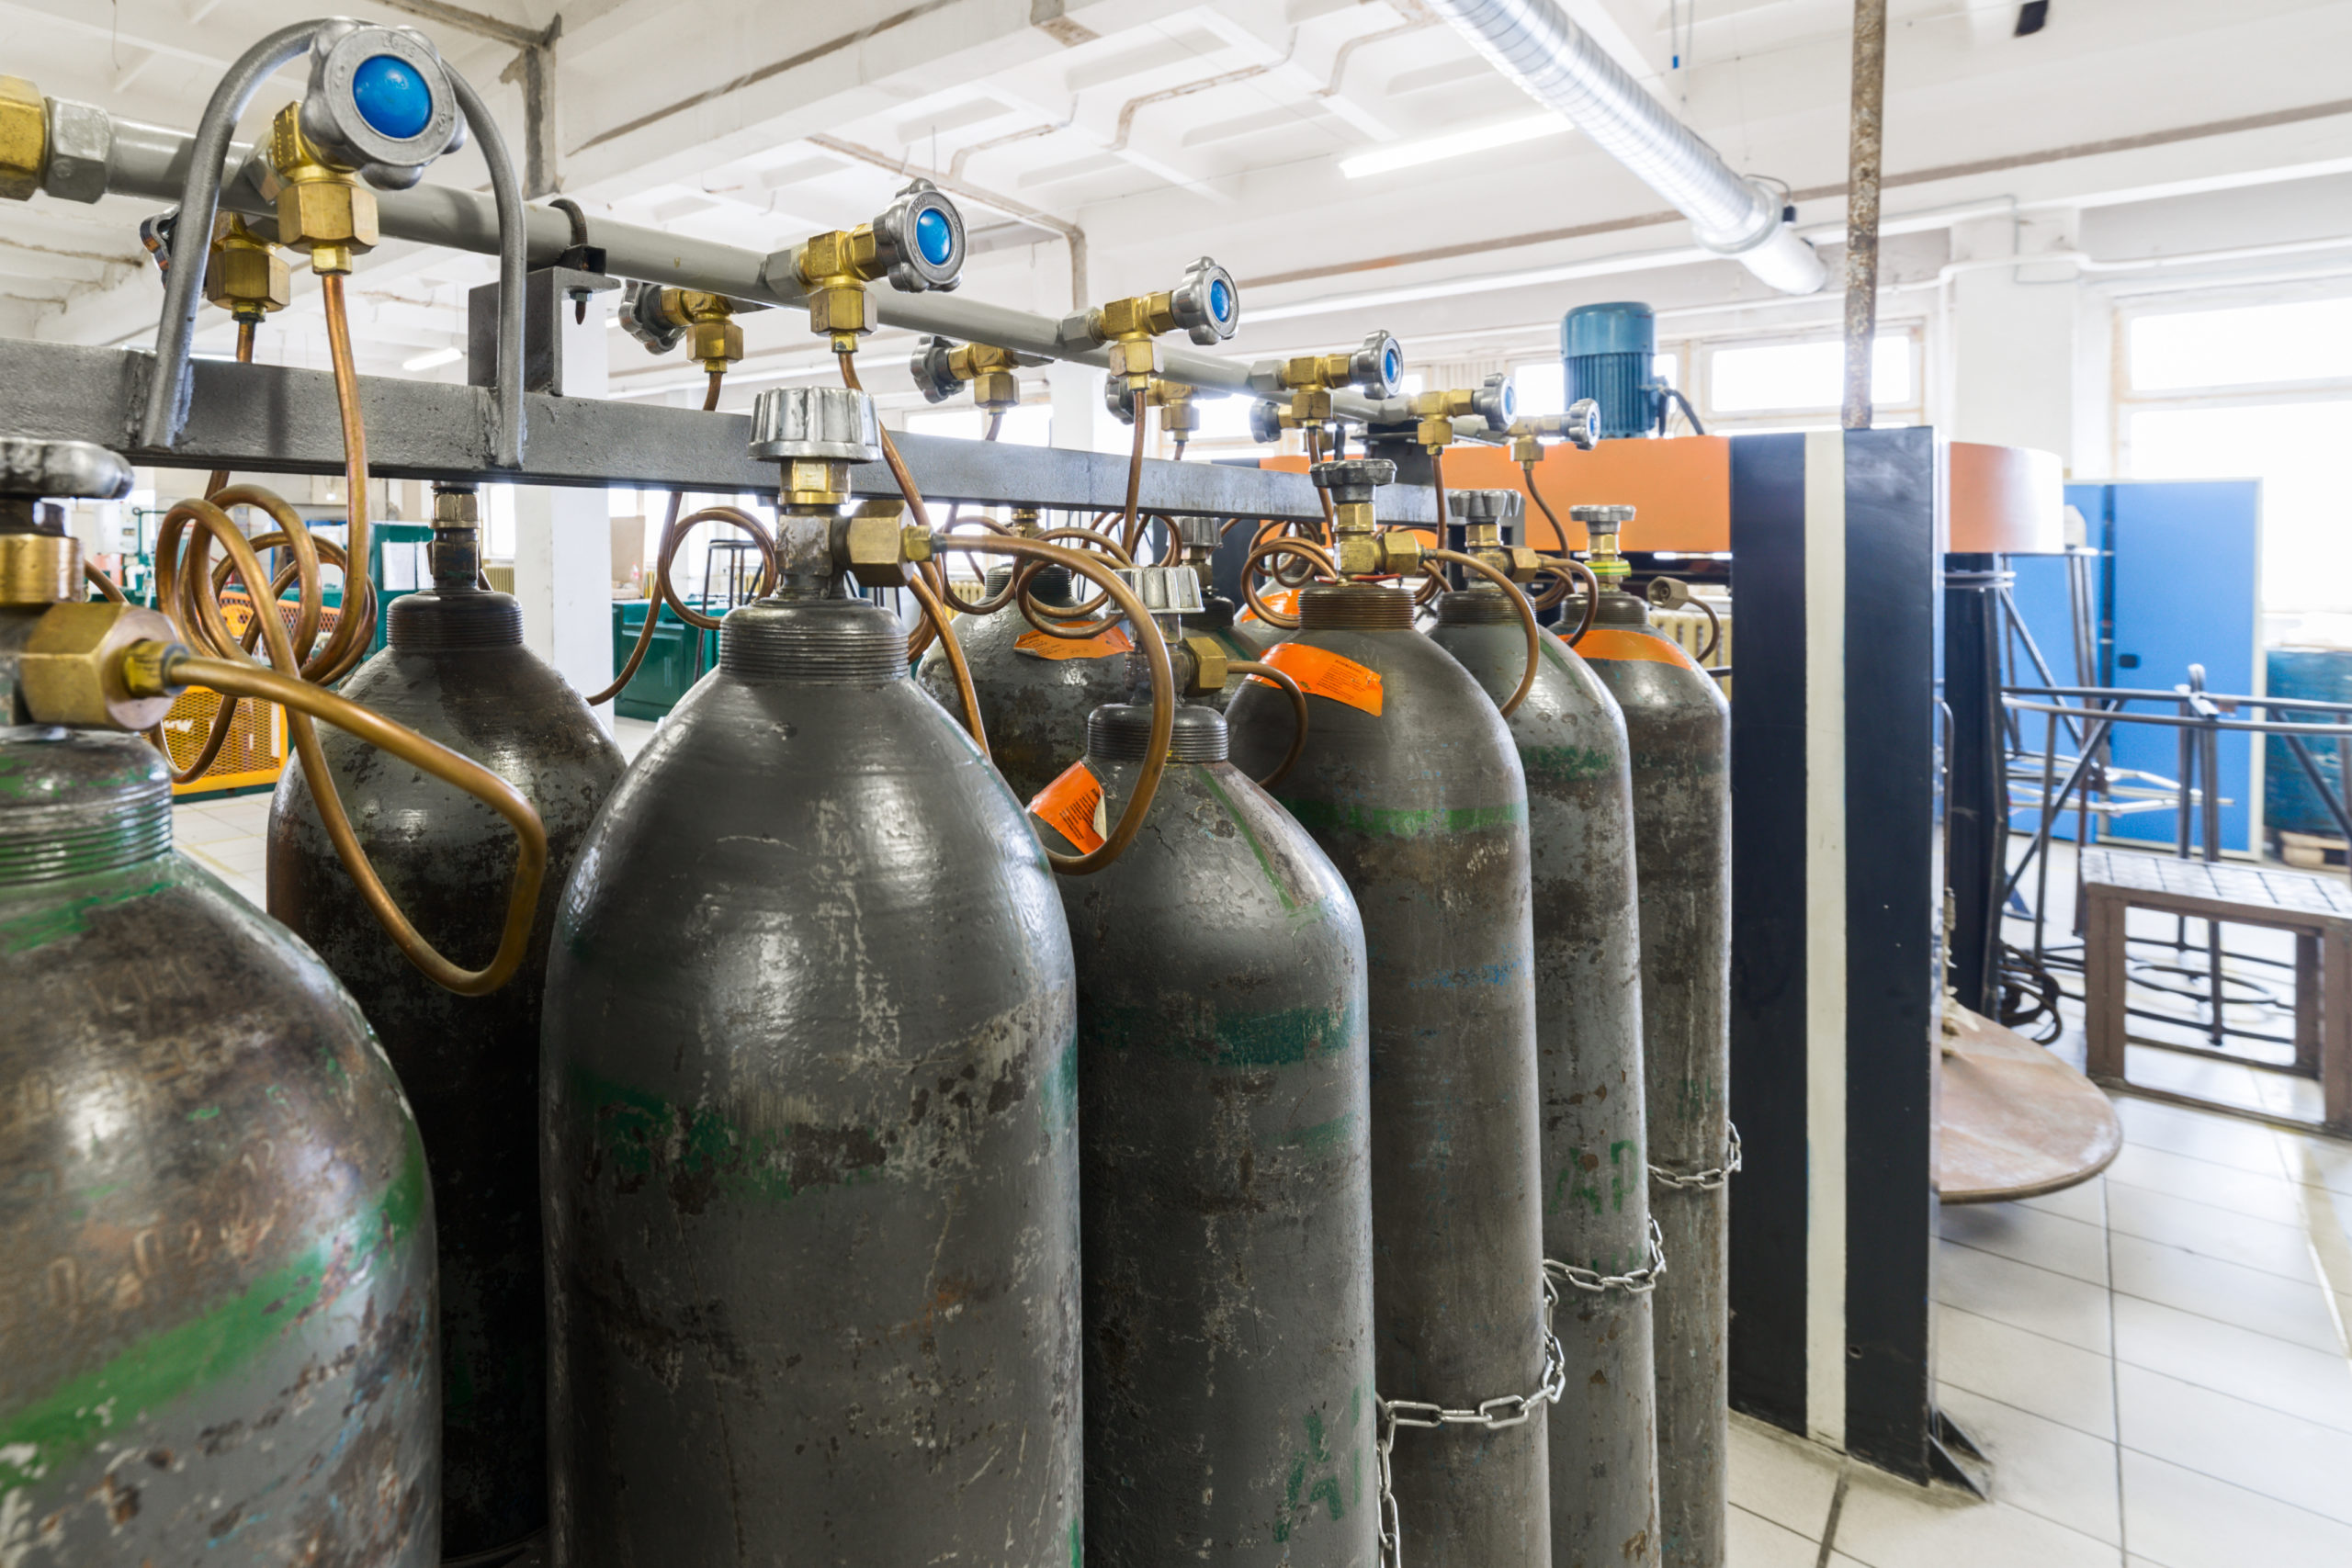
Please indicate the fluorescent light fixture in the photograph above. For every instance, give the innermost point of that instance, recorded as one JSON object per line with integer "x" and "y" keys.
{"x": 1502, "y": 133}
{"x": 431, "y": 358}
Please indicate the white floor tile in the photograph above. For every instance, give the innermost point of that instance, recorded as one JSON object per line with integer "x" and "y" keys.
{"x": 2022, "y": 1296}
{"x": 2042, "y": 1377}
{"x": 2176, "y": 1130}
{"x": 2229, "y": 1187}
{"x": 2066, "y": 1476}
{"x": 2263, "y": 1450}
{"x": 2086, "y": 1200}
{"x": 2178, "y": 1519}
{"x": 2202, "y": 1228}
{"x": 2313, "y": 1384}
{"x": 1756, "y": 1542}
{"x": 1781, "y": 1478}
{"x": 2030, "y": 1235}
{"x": 191, "y": 826}
{"x": 2321, "y": 1161}
{"x": 1889, "y": 1525}
{"x": 2267, "y": 1303}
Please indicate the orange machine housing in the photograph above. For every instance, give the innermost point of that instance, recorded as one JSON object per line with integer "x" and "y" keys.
{"x": 1679, "y": 489}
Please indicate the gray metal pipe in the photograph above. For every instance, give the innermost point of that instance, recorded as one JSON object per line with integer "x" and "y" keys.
{"x": 154, "y": 162}
{"x": 1535, "y": 44}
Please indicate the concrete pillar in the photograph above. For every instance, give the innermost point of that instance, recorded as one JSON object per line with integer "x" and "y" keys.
{"x": 563, "y": 540}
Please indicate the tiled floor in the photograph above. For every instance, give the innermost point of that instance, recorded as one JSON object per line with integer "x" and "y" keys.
{"x": 2155, "y": 1362}
{"x": 227, "y": 836}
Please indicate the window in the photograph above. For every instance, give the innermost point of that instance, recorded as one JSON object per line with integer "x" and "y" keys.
{"x": 1795, "y": 376}
{"x": 2257, "y": 390}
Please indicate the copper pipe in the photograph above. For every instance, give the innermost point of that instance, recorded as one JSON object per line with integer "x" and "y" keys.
{"x": 1550, "y": 516}
{"x": 936, "y": 612}
{"x": 245, "y": 325}
{"x": 301, "y": 700}
{"x": 1591, "y": 598}
{"x": 355, "y": 627}
{"x": 1131, "y": 526}
{"x": 1082, "y": 622}
{"x": 1281, "y": 545}
{"x": 103, "y": 583}
{"x": 1298, "y": 713}
{"x": 1163, "y": 690}
{"x": 1518, "y": 603}
{"x": 741, "y": 519}
{"x": 653, "y": 609}
{"x": 915, "y": 507}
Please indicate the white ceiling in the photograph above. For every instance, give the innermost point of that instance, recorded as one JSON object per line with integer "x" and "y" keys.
{"x": 1164, "y": 129}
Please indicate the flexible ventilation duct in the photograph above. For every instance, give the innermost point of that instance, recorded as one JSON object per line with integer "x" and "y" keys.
{"x": 1535, "y": 44}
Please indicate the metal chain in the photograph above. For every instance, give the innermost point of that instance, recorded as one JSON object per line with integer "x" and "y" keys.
{"x": 1704, "y": 1180}
{"x": 1640, "y": 1282}
{"x": 1496, "y": 1415}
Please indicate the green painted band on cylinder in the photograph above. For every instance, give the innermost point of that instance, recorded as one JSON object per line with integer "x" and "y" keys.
{"x": 1386, "y": 822}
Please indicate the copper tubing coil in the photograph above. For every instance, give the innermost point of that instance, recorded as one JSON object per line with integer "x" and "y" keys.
{"x": 741, "y": 519}
{"x": 1283, "y": 576}
{"x": 1526, "y": 618}
{"x": 238, "y": 677}
{"x": 935, "y": 614}
{"x": 1317, "y": 560}
{"x": 1298, "y": 713}
{"x": 1083, "y": 619}
{"x": 1163, "y": 690}
{"x": 662, "y": 592}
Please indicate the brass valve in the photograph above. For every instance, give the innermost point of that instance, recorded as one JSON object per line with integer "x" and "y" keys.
{"x": 1375, "y": 367}
{"x": 1601, "y": 526}
{"x": 95, "y": 665}
{"x": 1494, "y": 401}
{"x": 1359, "y": 547}
{"x": 941, "y": 368}
{"x": 24, "y": 138}
{"x": 1581, "y": 426}
{"x": 243, "y": 274}
{"x": 1483, "y": 516}
{"x": 874, "y": 546}
{"x": 917, "y": 243}
{"x": 1179, "y": 415}
{"x": 1206, "y": 304}
{"x": 1202, "y": 666}
{"x": 321, "y": 206}
{"x": 660, "y": 318}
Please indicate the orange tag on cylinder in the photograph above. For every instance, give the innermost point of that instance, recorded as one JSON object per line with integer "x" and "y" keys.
{"x": 1102, "y": 645}
{"x": 1611, "y": 642}
{"x": 1072, "y": 807}
{"x": 1324, "y": 673}
{"x": 1280, "y": 600}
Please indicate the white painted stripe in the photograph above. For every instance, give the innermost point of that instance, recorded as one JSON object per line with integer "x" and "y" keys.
{"x": 1825, "y": 959}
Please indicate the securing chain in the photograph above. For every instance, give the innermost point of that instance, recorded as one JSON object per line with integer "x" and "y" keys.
{"x": 1704, "y": 1180}
{"x": 1496, "y": 1415}
{"x": 1639, "y": 1282}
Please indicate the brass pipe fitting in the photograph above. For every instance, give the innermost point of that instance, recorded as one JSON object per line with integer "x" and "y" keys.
{"x": 1601, "y": 524}
{"x": 917, "y": 243}
{"x": 1359, "y": 547}
{"x": 1206, "y": 305}
{"x": 24, "y": 138}
{"x": 1494, "y": 401}
{"x": 1375, "y": 367}
{"x": 73, "y": 670}
{"x": 243, "y": 273}
{"x": 661, "y": 318}
{"x": 321, "y": 206}
{"x": 941, "y": 368}
{"x": 1483, "y": 516}
{"x": 1581, "y": 426}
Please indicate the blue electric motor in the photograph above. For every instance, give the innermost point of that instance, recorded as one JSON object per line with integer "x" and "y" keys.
{"x": 1605, "y": 354}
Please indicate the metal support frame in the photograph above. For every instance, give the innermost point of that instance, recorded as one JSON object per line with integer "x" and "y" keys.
{"x": 269, "y": 419}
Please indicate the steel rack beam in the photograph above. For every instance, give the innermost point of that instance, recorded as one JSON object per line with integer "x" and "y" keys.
{"x": 269, "y": 419}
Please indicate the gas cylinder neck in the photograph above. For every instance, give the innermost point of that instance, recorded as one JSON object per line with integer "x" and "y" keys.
{"x": 76, "y": 803}
{"x": 454, "y": 557}
{"x": 1621, "y": 609}
{"x": 1481, "y": 606}
{"x": 1355, "y": 606}
{"x": 1121, "y": 732}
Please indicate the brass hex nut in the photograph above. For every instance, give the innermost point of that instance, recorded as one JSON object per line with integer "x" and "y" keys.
{"x": 327, "y": 213}
{"x": 1207, "y": 666}
{"x": 1311, "y": 405}
{"x": 815, "y": 481}
{"x": 1436, "y": 432}
{"x": 1524, "y": 447}
{"x": 996, "y": 389}
{"x": 71, "y": 669}
{"x": 717, "y": 344}
{"x": 1133, "y": 357}
{"x": 874, "y": 548}
{"x": 24, "y": 138}
{"x": 1358, "y": 555}
{"x": 840, "y": 309}
{"x": 1515, "y": 561}
{"x": 1400, "y": 552}
{"x": 1139, "y": 315}
{"x": 247, "y": 276}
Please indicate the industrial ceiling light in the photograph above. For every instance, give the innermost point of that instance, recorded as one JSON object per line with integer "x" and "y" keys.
{"x": 1502, "y": 133}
